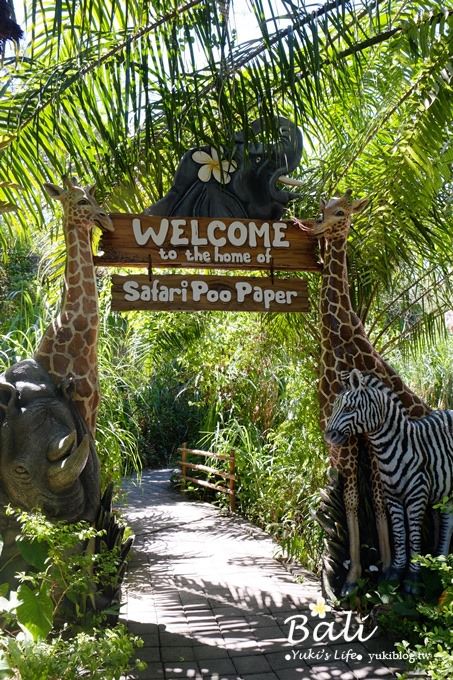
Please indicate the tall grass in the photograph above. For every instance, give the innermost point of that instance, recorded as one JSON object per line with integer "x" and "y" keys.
{"x": 258, "y": 397}
{"x": 430, "y": 373}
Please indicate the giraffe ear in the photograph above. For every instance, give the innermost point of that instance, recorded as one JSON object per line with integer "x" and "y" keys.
{"x": 53, "y": 191}
{"x": 322, "y": 203}
{"x": 359, "y": 205}
{"x": 355, "y": 379}
{"x": 92, "y": 190}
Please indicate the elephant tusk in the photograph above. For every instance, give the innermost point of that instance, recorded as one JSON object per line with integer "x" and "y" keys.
{"x": 290, "y": 181}
{"x": 64, "y": 473}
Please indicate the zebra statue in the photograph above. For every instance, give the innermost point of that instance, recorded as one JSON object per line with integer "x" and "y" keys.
{"x": 415, "y": 457}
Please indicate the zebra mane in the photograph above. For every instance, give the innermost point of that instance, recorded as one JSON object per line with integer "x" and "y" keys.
{"x": 370, "y": 380}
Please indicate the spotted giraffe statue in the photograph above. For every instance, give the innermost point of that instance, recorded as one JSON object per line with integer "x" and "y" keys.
{"x": 48, "y": 408}
{"x": 69, "y": 345}
{"x": 345, "y": 346}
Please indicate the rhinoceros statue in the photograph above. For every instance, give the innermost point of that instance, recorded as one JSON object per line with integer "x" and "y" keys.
{"x": 47, "y": 456}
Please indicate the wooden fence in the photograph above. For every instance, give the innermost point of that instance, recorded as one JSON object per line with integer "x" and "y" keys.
{"x": 229, "y": 477}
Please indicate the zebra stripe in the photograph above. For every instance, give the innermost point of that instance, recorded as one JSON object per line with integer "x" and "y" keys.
{"x": 415, "y": 458}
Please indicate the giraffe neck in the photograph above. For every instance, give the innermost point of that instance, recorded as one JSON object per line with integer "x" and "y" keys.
{"x": 335, "y": 298}
{"x": 345, "y": 344}
{"x": 80, "y": 291}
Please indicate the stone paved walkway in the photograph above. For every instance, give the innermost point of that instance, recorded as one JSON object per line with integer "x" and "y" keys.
{"x": 210, "y": 601}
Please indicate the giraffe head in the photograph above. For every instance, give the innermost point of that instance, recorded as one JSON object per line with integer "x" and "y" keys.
{"x": 79, "y": 205}
{"x": 335, "y": 220}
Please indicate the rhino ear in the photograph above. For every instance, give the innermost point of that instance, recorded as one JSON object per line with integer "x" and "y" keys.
{"x": 7, "y": 396}
{"x": 67, "y": 387}
{"x": 355, "y": 379}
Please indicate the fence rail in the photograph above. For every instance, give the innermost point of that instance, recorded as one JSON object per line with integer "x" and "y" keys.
{"x": 229, "y": 477}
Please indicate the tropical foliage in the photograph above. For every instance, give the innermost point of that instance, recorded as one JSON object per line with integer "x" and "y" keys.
{"x": 114, "y": 93}
{"x": 49, "y": 627}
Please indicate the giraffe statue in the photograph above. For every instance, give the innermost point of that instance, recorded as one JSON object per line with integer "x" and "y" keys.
{"x": 68, "y": 349}
{"x": 345, "y": 346}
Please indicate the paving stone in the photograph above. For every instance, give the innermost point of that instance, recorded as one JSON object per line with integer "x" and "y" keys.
{"x": 336, "y": 669}
{"x": 210, "y": 639}
{"x": 297, "y": 673}
{"x": 149, "y": 654}
{"x": 252, "y": 664}
{"x": 184, "y": 669}
{"x": 220, "y": 666}
{"x": 232, "y": 625}
{"x": 153, "y": 670}
{"x": 145, "y": 675}
{"x": 243, "y": 644}
{"x": 206, "y": 652}
{"x": 167, "y": 639}
{"x": 284, "y": 660}
{"x": 220, "y": 599}
{"x": 273, "y": 633}
{"x": 198, "y": 613}
{"x": 177, "y": 654}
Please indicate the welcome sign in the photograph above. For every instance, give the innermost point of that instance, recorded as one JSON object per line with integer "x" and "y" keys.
{"x": 214, "y": 243}
{"x": 209, "y": 293}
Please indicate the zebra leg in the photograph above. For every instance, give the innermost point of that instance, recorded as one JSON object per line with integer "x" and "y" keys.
{"x": 381, "y": 515}
{"x": 398, "y": 564}
{"x": 415, "y": 510}
{"x": 446, "y": 531}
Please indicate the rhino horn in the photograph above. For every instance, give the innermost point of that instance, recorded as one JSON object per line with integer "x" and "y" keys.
{"x": 65, "y": 472}
{"x": 62, "y": 447}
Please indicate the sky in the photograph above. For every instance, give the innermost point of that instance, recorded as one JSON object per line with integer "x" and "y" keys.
{"x": 241, "y": 17}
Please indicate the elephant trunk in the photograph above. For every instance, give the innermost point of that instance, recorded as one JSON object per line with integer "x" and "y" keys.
{"x": 285, "y": 156}
{"x": 63, "y": 473}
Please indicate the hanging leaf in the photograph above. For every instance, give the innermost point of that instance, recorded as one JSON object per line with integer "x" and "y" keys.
{"x": 35, "y": 612}
{"x": 34, "y": 552}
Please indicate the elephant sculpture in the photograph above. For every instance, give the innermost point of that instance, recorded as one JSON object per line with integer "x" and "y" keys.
{"x": 241, "y": 184}
{"x": 47, "y": 456}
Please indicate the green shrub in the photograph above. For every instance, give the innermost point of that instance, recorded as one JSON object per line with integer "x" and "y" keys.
{"x": 51, "y": 626}
{"x": 430, "y": 641}
{"x": 102, "y": 654}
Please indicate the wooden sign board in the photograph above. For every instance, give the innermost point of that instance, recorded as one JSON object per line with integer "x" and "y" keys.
{"x": 208, "y": 293}
{"x": 205, "y": 242}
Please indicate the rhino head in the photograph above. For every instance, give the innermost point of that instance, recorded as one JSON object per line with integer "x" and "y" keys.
{"x": 47, "y": 456}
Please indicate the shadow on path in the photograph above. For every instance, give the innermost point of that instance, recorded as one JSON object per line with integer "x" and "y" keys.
{"x": 211, "y": 602}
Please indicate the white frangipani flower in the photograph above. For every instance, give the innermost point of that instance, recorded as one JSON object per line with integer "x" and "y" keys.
{"x": 212, "y": 166}
{"x": 320, "y": 608}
